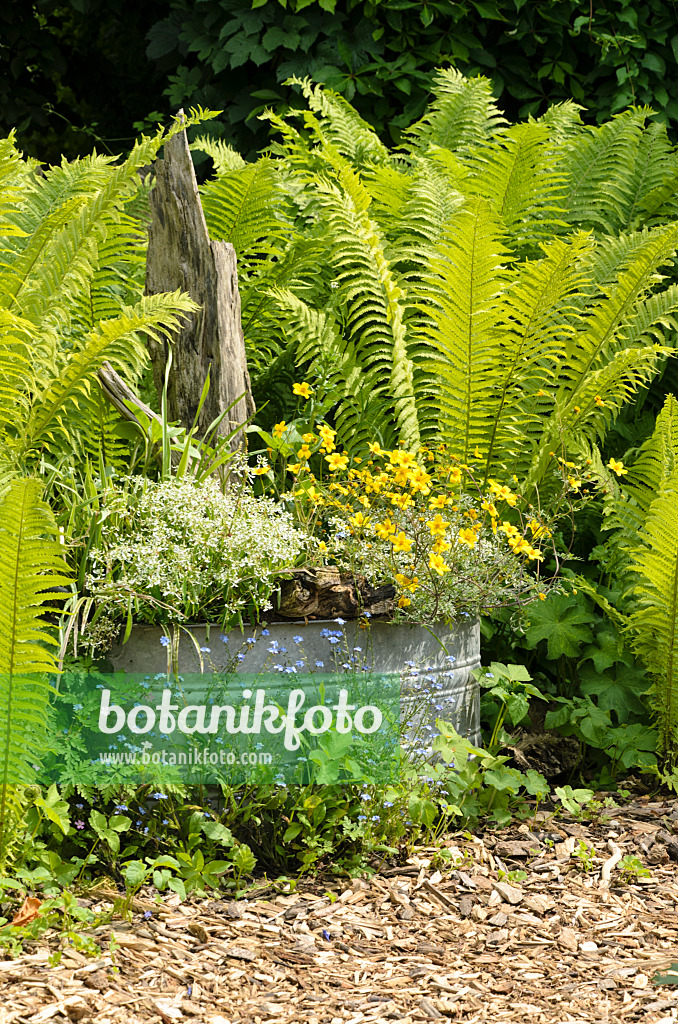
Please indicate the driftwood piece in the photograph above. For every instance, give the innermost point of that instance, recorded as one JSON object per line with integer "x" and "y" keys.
{"x": 326, "y": 594}
{"x": 121, "y": 395}
{"x": 181, "y": 255}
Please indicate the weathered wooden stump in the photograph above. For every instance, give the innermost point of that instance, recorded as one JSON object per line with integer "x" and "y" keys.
{"x": 181, "y": 255}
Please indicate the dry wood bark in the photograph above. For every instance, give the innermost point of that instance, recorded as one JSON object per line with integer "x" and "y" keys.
{"x": 325, "y": 594}
{"x": 181, "y": 255}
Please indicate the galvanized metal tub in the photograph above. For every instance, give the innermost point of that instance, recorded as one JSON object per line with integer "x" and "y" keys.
{"x": 435, "y": 664}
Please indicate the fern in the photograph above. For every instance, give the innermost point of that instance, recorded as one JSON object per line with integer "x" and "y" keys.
{"x": 466, "y": 289}
{"x": 463, "y": 113}
{"x": 114, "y": 340}
{"x": 372, "y": 293}
{"x": 602, "y": 172}
{"x": 654, "y": 625}
{"x": 341, "y": 125}
{"x": 518, "y": 173}
{"x": 243, "y": 207}
{"x": 224, "y": 157}
{"x": 31, "y": 567}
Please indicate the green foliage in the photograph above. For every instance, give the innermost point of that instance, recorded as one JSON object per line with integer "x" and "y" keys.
{"x": 380, "y": 56}
{"x": 464, "y": 293}
{"x": 509, "y": 690}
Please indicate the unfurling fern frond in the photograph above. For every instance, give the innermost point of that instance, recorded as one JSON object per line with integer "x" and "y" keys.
{"x": 654, "y": 624}
{"x": 462, "y": 114}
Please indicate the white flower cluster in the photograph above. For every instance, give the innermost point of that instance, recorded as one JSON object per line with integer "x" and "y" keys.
{"x": 206, "y": 554}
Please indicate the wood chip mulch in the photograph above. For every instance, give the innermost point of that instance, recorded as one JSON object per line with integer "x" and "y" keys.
{"x": 471, "y": 942}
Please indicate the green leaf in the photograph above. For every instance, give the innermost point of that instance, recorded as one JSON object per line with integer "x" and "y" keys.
{"x": 217, "y": 832}
{"x": 562, "y": 622}
{"x": 54, "y": 808}
{"x": 244, "y": 860}
{"x": 135, "y": 873}
{"x": 292, "y": 831}
{"x": 177, "y": 886}
{"x": 620, "y": 691}
{"x": 605, "y": 651}
{"x": 503, "y": 778}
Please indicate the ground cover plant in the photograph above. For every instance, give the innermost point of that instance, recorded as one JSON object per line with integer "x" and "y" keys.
{"x": 468, "y": 294}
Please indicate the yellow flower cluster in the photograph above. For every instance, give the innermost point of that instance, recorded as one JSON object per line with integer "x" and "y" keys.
{"x": 382, "y": 498}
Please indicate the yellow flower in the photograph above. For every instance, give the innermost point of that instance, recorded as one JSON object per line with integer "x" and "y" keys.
{"x": 599, "y": 402}
{"x": 260, "y": 470}
{"x": 399, "y": 458}
{"x": 358, "y": 520}
{"x": 303, "y": 452}
{"x": 336, "y": 461}
{"x": 385, "y": 529}
{"x": 402, "y": 500}
{"x": 439, "y": 502}
{"x": 328, "y": 435}
{"x": 617, "y": 467}
{"x": 541, "y": 393}
{"x": 403, "y": 602}
{"x": 406, "y": 583}
{"x": 308, "y": 438}
{"x": 438, "y": 563}
{"x": 437, "y": 525}
{"x": 296, "y": 467}
{"x": 322, "y": 547}
{"x": 313, "y": 494}
{"x": 304, "y": 389}
{"x": 279, "y": 429}
{"x": 476, "y": 454}
{"x": 489, "y": 506}
{"x": 376, "y": 448}
{"x": 441, "y": 545}
{"x": 542, "y": 597}
{"x": 357, "y": 459}
{"x": 402, "y": 543}
{"x": 469, "y": 537}
{"x": 574, "y": 483}
{"x": 455, "y": 475}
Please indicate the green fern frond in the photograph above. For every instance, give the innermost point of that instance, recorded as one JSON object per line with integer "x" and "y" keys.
{"x": 224, "y": 157}
{"x": 463, "y": 113}
{"x": 31, "y": 567}
{"x": 656, "y": 461}
{"x": 655, "y": 160}
{"x": 563, "y": 121}
{"x": 114, "y": 340}
{"x": 465, "y": 293}
{"x": 654, "y": 625}
{"x": 520, "y": 176}
{"x": 605, "y": 327}
{"x": 601, "y": 171}
{"x": 373, "y": 295}
{"x": 341, "y": 125}
{"x": 243, "y": 207}
{"x": 412, "y": 209}
{"x": 362, "y": 402}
